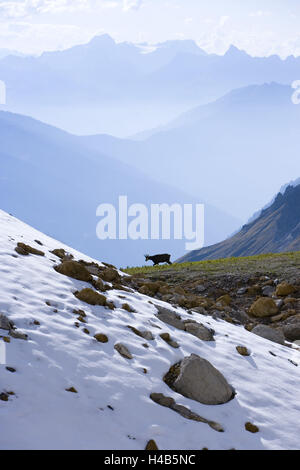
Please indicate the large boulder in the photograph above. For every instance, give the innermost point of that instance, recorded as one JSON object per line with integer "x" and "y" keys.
{"x": 263, "y": 307}
{"x": 271, "y": 334}
{"x": 75, "y": 270}
{"x": 199, "y": 380}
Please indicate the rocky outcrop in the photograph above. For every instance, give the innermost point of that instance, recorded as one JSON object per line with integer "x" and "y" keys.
{"x": 90, "y": 297}
{"x": 196, "y": 378}
{"x": 142, "y": 334}
{"x": 26, "y": 250}
{"x": 74, "y": 270}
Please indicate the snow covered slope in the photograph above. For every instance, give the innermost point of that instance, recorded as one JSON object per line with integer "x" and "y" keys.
{"x": 113, "y": 409}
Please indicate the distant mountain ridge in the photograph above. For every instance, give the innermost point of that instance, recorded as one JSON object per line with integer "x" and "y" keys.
{"x": 123, "y": 88}
{"x": 222, "y": 149}
{"x": 277, "y": 229}
{"x": 52, "y": 179}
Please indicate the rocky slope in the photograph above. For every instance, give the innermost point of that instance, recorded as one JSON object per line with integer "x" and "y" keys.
{"x": 91, "y": 363}
{"x": 276, "y": 230}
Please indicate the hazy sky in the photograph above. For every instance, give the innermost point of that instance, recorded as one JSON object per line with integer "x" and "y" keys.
{"x": 261, "y": 27}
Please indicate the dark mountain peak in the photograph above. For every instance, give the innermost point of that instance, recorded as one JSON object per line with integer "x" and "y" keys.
{"x": 275, "y": 230}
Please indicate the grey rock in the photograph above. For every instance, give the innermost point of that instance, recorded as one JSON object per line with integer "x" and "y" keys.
{"x": 200, "y": 289}
{"x": 292, "y": 332}
{"x": 171, "y": 318}
{"x": 279, "y": 303}
{"x": 123, "y": 350}
{"x": 200, "y": 331}
{"x": 5, "y": 323}
{"x": 268, "y": 291}
{"x": 201, "y": 381}
{"x": 271, "y": 334}
{"x": 242, "y": 290}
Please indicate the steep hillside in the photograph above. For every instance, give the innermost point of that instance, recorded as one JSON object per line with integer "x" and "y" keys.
{"x": 82, "y": 376}
{"x": 277, "y": 229}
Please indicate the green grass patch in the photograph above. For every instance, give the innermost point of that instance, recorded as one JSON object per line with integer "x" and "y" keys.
{"x": 271, "y": 262}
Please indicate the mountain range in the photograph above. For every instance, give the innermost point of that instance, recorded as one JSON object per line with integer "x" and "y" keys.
{"x": 123, "y": 88}
{"x": 233, "y": 146}
{"x": 276, "y": 229}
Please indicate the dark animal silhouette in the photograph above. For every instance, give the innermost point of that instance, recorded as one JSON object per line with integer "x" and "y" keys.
{"x": 157, "y": 259}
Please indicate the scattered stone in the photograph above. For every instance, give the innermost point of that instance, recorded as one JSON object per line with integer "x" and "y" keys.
{"x": 101, "y": 338}
{"x": 251, "y": 428}
{"x": 171, "y": 318}
{"x": 123, "y": 350}
{"x": 74, "y": 270}
{"x": 61, "y": 253}
{"x": 169, "y": 402}
{"x": 38, "y": 242}
{"x": 151, "y": 445}
{"x": 128, "y": 308}
{"x": 25, "y": 250}
{"x": 110, "y": 305}
{"x": 86, "y": 331}
{"x": 271, "y": 334}
{"x": 196, "y": 378}
{"x": 36, "y": 322}
{"x": 284, "y": 289}
{"x": 242, "y": 290}
{"x": 263, "y": 307}
{"x": 243, "y": 351}
{"x": 91, "y": 297}
{"x": 268, "y": 291}
{"x": 292, "y": 332}
{"x": 5, "y": 323}
{"x": 224, "y": 300}
{"x": 200, "y": 289}
{"x": 200, "y": 331}
{"x": 142, "y": 334}
{"x": 6, "y": 339}
{"x": 18, "y": 335}
{"x": 10, "y": 369}
{"x": 3, "y": 396}
{"x": 167, "y": 338}
{"x": 71, "y": 390}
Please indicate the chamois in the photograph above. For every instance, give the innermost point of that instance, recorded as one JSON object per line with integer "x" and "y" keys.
{"x": 157, "y": 259}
